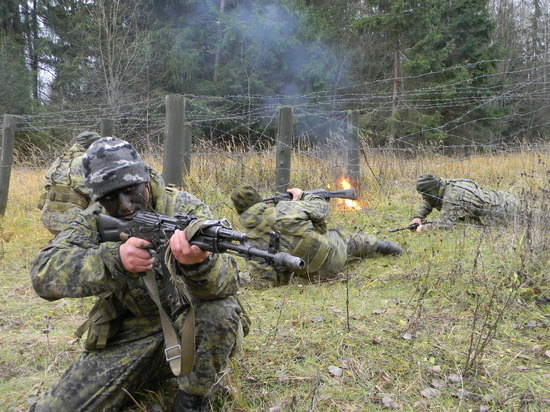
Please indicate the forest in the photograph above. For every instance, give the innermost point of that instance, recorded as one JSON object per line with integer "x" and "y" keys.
{"x": 420, "y": 72}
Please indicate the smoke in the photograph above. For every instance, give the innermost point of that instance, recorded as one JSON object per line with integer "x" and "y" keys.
{"x": 280, "y": 49}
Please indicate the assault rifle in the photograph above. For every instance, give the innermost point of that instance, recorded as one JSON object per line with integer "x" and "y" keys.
{"x": 341, "y": 194}
{"x": 213, "y": 235}
{"x": 412, "y": 226}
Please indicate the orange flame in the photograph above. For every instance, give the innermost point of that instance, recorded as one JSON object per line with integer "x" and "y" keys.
{"x": 349, "y": 203}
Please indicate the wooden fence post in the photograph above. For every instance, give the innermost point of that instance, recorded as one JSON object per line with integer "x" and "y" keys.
{"x": 354, "y": 147}
{"x": 6, "y": 159}
{"x": 284, "y": 149}
{"x": 172, "y": 168}
{"x": 186, "y": 148}
{"x": 106, "y": 127}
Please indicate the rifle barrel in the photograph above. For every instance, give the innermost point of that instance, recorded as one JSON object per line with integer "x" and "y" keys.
{"x": 281, "y": 259}
{"x": 216, "y": 238}
{"x": 410, "y": 227}
{"x": 341, "y": 194}
{"x": 344, "y": 194}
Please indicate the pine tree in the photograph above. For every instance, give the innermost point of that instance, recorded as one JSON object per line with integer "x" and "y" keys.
{"x": 15, "y": 93}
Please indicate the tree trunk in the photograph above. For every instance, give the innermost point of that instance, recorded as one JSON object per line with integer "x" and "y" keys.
{"x": 218, "y": 49}
{"x": 395, "y": 94}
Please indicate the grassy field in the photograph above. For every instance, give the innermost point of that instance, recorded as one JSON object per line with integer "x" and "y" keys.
{"x": 459, "y": 322}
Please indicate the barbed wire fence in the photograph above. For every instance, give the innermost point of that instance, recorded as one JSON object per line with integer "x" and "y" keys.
{"x": 228, "y": 130}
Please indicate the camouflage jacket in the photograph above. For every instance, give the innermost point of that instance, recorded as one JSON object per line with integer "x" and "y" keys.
{"x": 301, "y": 224}
{"x": 65, "y": 192}
{"x": 465, "y": 201}
{"x": 77, "y": 264}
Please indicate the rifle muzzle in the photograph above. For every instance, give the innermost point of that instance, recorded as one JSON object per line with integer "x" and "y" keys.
{"x": 345, "y": 194}
{"x": 287, "y": 260}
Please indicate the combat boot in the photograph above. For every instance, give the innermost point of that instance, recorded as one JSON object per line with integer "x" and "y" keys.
{"x": 387, "y": 247}
{"x": 362, "y": 245}
{"x": 186, "y": 402}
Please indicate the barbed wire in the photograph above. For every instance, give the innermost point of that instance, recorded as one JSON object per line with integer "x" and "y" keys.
{"x": 233, "y": 124}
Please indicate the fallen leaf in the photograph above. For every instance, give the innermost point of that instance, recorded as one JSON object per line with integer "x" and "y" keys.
{"x": 389, "y": 403}
{"x": 461, "y": 393}
{"x": 438, "y": 383}
{"x": 533, "y": 324}
{"x": 282, "y": 376}
{"x": 386, "y": 377}
{"x": 335, "y": 371}
{"x": 454, "y": 378}
{"x": 430, "y": 392}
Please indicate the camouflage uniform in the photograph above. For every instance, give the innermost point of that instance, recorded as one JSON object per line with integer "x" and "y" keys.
{"x": 304, "y": 233}
{"x": 66, "y": 193}
{"x": 75, "y": 264}
{"x": 465, "y": 201}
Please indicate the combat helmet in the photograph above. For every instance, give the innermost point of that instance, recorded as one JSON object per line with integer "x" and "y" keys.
{"x": 244, "y": 197}
{"x": 85, "y": 139}
{"x": 429, "y": 184}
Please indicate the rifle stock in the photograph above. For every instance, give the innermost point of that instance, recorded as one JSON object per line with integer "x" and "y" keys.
{"x": 325, "y": 194}
{"x": 213, "y": 236}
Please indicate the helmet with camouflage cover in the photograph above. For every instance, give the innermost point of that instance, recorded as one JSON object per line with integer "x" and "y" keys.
{"x": 111, "y": 164}
{"x": 85, "y": 139}
{"x": 244, "y": 197}
{"x": 429, "y": 184}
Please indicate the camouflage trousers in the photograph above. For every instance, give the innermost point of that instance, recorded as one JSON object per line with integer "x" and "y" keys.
{"x": 134, "y": 359}
{"x": 343, "y": 246}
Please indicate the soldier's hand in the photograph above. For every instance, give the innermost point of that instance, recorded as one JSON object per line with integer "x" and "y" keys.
{"x": 419, "y": 221}
{"x": 135, "y": 255}
{"x": 295, "y": 192}
{"x": 184, "y": 252}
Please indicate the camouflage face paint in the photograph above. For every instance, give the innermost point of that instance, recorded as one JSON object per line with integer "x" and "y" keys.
{"x": 126, "y": 202}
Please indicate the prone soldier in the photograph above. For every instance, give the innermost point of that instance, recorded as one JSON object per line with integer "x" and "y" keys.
{"x": 303, "y": 233}
{"x": 462, "y": 201}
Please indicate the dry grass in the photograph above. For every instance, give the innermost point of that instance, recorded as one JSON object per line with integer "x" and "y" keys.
{"x": 451, "y": 325}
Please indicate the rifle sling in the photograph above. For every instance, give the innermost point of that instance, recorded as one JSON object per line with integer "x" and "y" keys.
{"x": 180, "y": 354}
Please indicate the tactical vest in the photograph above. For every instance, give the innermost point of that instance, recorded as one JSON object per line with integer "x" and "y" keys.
{"x": 63, "y": 197}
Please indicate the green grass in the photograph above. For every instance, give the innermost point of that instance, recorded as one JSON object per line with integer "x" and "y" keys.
{"x": 453, "y": 324}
